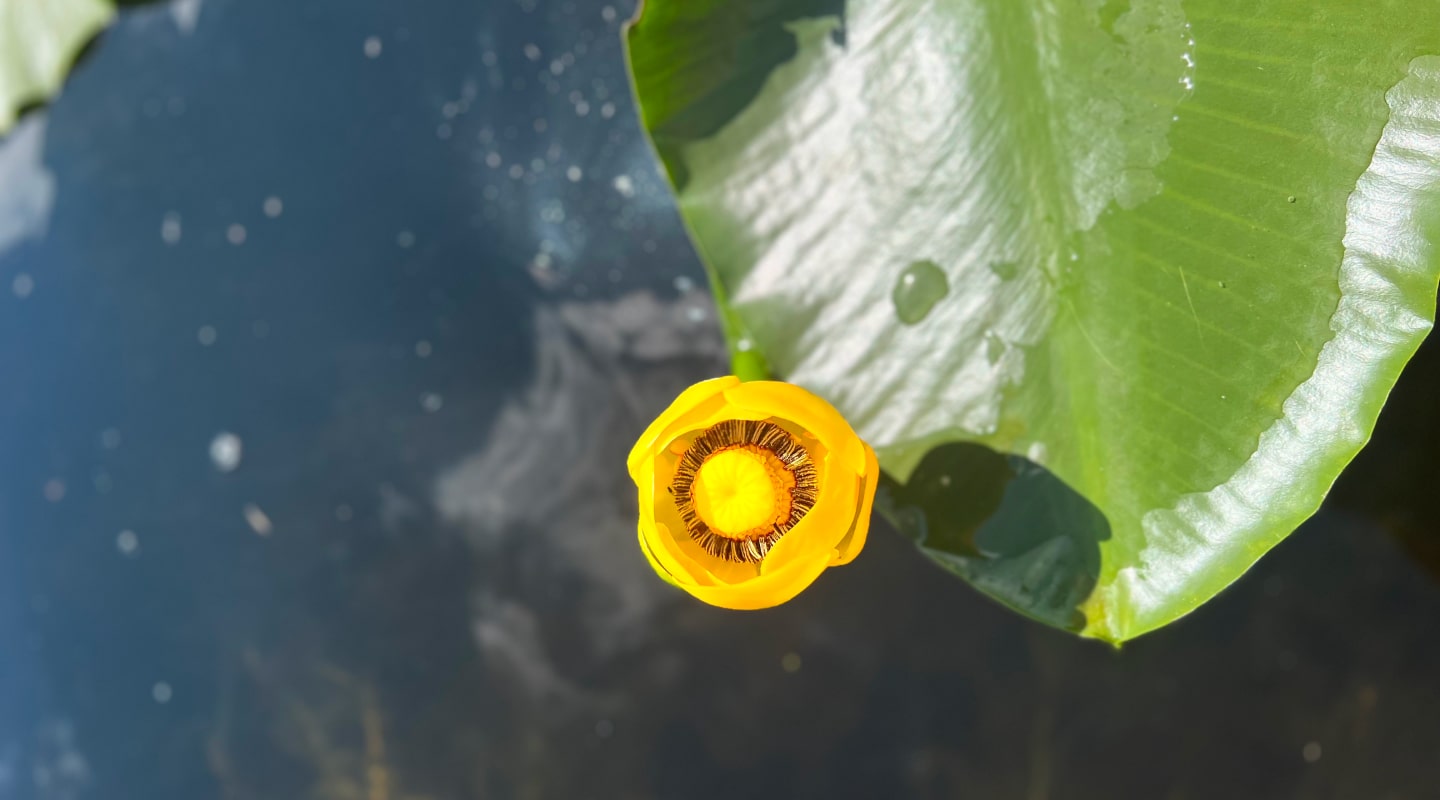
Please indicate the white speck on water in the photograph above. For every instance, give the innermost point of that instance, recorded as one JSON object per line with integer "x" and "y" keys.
{"x": 23, "y": 285}
{"x": 257, "y": 519}
{"x": 373, "y": 47}
{"x": 791, "y": 663}
{"x": 532, "y": 52}
{"x": 186, "y": 15}
{"x": 405, "y": 239}
{"x": 625, "y": 185}
{"x": 683, "y": 284}
{"x": 54, "y": 490}
{"x": 102, "y": 481}
{"x": 492, "y": 159}
{"x": 556, "y": 67}
{"x": 206, "y": 335}
{"x": 540, "y": 125}
{"x": 517, "y": 171}
{"x": 1310, "y": 752}
{"x": 431, "y": 402}
{"x": 423, "y": 349}
{"x": 537, "y": 164}
{"x": 110, "y": 438}
{"x": 574, "y": 174}
{"x": 170, "y": 228}
{"x": 127, "y": 543}
{"x": 162, "y": 692}
{"x": 582, "y": 108}
{"x": 235, "y": 234}
{"x": 695, "y": 314}
{"x": 273, "y": 206}
{"x": 608, "y": 13}
{"x": 226, "y": 450}
{"x": 444, "y": 131}
{"x": 607, "y": 110}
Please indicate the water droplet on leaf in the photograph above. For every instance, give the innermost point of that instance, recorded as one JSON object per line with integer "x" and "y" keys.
{"x": 994, "y": 348}
{"x": 919, "y": 287}
{"x": 1005, "y": 269}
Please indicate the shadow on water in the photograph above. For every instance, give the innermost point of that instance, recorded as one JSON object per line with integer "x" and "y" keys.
{"x": 1004, "y": 523}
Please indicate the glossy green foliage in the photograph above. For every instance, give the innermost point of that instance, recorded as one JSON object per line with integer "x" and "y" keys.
{"x": 38, "y": 41}
{"x": 1169, "y": 256}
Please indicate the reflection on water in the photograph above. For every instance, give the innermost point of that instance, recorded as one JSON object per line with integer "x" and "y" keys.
{"x": 29, "y": 187}
{"x": 370, "y": 536}
{"x": 551, "y": 472}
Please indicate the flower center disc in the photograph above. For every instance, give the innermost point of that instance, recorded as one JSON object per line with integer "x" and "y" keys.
{"x": 743, "y": 492}
{"x": 741, "y": 485}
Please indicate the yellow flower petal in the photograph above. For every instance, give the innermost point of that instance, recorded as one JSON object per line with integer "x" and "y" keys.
{"x": 790, "y": 402}
{"x": 686, "y": 402}
{"x": 763, "y": 591}
{"x": 854, "y": 541}
{"x": 658, "y": 536}
{"x": 655, "y": 563}
{"x": 822, "y": 529}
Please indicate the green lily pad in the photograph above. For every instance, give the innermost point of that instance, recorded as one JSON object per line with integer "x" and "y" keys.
{"x": 1183, "y": 252}
{"x": 39, "y": 40}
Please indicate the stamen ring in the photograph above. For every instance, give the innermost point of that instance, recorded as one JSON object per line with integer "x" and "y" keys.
{"x": 799, "y": 487}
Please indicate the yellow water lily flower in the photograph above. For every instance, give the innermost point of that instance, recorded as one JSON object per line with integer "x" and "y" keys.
{"x": 748, "y": 491}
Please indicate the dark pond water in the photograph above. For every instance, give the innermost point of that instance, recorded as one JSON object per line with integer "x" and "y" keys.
{"x": 324, "y": 330}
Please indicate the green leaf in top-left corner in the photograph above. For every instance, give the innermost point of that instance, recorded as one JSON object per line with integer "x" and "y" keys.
{"x": 39, "y": 40}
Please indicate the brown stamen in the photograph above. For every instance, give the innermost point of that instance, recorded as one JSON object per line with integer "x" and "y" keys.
{"x": 750, "y": 546}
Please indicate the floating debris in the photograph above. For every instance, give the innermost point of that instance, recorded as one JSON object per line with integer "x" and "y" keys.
{"x": 258, "y": 520}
